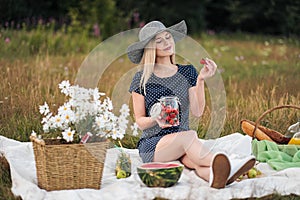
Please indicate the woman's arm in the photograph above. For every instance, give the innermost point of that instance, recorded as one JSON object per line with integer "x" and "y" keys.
{"x": 197, "y": 98}
{"x": 197, "y": 93}
{"x": 142, "y": 121}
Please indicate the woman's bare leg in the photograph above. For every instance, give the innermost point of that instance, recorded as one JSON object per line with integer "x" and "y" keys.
{"x": 173, "y": 146}
{"x": 187, "y": 146}
{"x": 202, "y": 172}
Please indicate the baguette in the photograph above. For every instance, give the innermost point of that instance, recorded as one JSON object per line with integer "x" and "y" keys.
{"x": 274, "y": 135}
{"x": 248, "y": 128}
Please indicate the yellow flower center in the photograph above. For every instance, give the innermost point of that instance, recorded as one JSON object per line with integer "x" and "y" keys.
{"x": 69, "y": 134}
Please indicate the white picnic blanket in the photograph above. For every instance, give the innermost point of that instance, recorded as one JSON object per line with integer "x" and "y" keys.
{"x": 190, "y": 186}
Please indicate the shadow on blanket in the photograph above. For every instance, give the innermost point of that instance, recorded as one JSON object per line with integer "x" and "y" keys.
{"x": 5, "y": 180}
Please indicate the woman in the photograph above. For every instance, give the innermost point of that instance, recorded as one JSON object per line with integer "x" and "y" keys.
{"x": 161, "y": 77}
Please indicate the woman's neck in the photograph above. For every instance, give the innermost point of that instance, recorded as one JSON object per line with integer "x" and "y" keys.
{"x": 165, "y": 60}
{"x": 166, "y": 69}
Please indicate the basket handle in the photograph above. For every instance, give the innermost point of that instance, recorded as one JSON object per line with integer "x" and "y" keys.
{"x": 267, "y": 112}
{"x": 36, "y": 140}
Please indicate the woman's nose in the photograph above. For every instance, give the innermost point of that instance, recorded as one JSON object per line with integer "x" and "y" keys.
{"x": 165, "y": 42}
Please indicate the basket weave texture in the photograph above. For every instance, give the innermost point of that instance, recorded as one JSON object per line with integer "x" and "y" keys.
{"x": 69, "y": 166}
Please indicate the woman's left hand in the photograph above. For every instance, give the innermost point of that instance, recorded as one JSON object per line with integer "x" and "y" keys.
{"x": 208, "y": 70}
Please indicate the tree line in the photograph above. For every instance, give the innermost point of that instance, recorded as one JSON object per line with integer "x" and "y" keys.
{"x": 276, "y": 17}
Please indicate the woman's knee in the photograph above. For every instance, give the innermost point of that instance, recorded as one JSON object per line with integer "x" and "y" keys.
{"x": 181, "y": 139}
{"x": 187, "y": 138}
{"x": 191, "y": 134}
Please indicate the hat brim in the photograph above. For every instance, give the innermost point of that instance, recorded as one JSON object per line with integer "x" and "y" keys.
{"x": 136, "y": 50}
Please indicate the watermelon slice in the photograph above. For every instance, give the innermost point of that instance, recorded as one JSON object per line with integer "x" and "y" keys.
{"x": 157, "y": 174}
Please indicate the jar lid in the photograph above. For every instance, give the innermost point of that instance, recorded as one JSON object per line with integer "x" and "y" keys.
{"x": 168, "y": 98}
{"x": 155, "y": 110}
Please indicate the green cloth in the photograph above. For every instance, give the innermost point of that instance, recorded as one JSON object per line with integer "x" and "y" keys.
{"x": 277, "y": 156}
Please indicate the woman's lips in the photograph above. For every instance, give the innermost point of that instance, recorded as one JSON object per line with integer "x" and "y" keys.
{"x": 168, "y": 48}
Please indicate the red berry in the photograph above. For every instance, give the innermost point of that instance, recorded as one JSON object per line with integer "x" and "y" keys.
{"x": 171, "y": 122}
{"x": 168, "y": 118}
{"x": 168, "y": 110}
{"x": 203, "y": 61}
{"x": 172, "y": 115}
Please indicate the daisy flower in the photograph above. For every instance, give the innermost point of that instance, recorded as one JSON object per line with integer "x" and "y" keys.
{"x": 121, "y": 134}
{"x": 134, "y": 129}
{"x": 115, "y": 134}
{"x": 68, "y": 135}
{"x": 108, "y": 104}
{"x": 64, "y": 108}
{"x": 57, "y": 121}
{"x": 122, "y": 122}
{"x": 44, "y": 109}
{"x": 124, "y": 110}
{"x": 68, "y": 116}
{"x": 46, "y": 128}
{"x": 64, "y": 87}
{"x": 46, "y": 118}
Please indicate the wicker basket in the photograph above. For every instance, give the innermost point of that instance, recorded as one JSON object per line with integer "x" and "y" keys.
{"x": 267, "y": 133}
{"x": 69, "y": 166}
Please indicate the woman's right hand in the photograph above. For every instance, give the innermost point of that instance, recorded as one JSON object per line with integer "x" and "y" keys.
{"x": 161, "y": 123}
{"x": 208, "y": 69}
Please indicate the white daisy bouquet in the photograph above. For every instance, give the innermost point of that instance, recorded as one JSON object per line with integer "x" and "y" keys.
{"x": 87, "y": 111}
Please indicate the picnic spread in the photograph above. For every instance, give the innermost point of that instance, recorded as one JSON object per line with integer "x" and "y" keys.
{"x": 279, "y": 165}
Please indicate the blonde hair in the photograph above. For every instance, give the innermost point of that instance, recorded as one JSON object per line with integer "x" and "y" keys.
{"x": 148, "y": 62}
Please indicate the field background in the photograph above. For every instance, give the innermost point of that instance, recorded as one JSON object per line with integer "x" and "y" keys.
{"x": 259, "y": 72}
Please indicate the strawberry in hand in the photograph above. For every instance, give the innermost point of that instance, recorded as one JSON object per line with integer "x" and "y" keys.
{"x": 203, "y": 61}
{"x": 208, "y": 69}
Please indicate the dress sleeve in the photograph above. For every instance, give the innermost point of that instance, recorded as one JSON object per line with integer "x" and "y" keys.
{"x": 135, "y": 84}
{"x": 193, "y": 74}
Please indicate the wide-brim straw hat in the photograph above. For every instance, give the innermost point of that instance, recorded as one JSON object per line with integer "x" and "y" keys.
{"x": 148, "y": 32}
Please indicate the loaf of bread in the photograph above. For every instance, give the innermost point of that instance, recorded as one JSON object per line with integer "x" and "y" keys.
{"x": 248, "y": 128}
{"x": 272, "y": 134}
{"x": 275, "y": 135}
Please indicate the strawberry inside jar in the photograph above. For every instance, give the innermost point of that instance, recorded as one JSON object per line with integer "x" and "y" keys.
{"x": 170, "y": 110}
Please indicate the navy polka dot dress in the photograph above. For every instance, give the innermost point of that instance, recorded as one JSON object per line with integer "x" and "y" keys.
{"x": 156, "y": 87}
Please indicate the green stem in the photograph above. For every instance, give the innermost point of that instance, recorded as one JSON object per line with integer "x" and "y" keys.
{"x": 120, "y": 144}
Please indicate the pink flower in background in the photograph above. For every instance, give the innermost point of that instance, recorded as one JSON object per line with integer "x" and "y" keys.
{"x": 211, "y": 32}
{"x": 96, "y": 30}
{"x": 7, "y": 40}
{"x": 142, "y": 24}
{"x": 136, "y": 17}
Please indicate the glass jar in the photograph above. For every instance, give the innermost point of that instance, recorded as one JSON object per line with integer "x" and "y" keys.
{"x": 167, "y": 111}
{"x": 295, "y": 139}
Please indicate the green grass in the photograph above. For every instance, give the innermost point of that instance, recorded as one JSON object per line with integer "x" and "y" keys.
{"x": 259, "y": 72}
